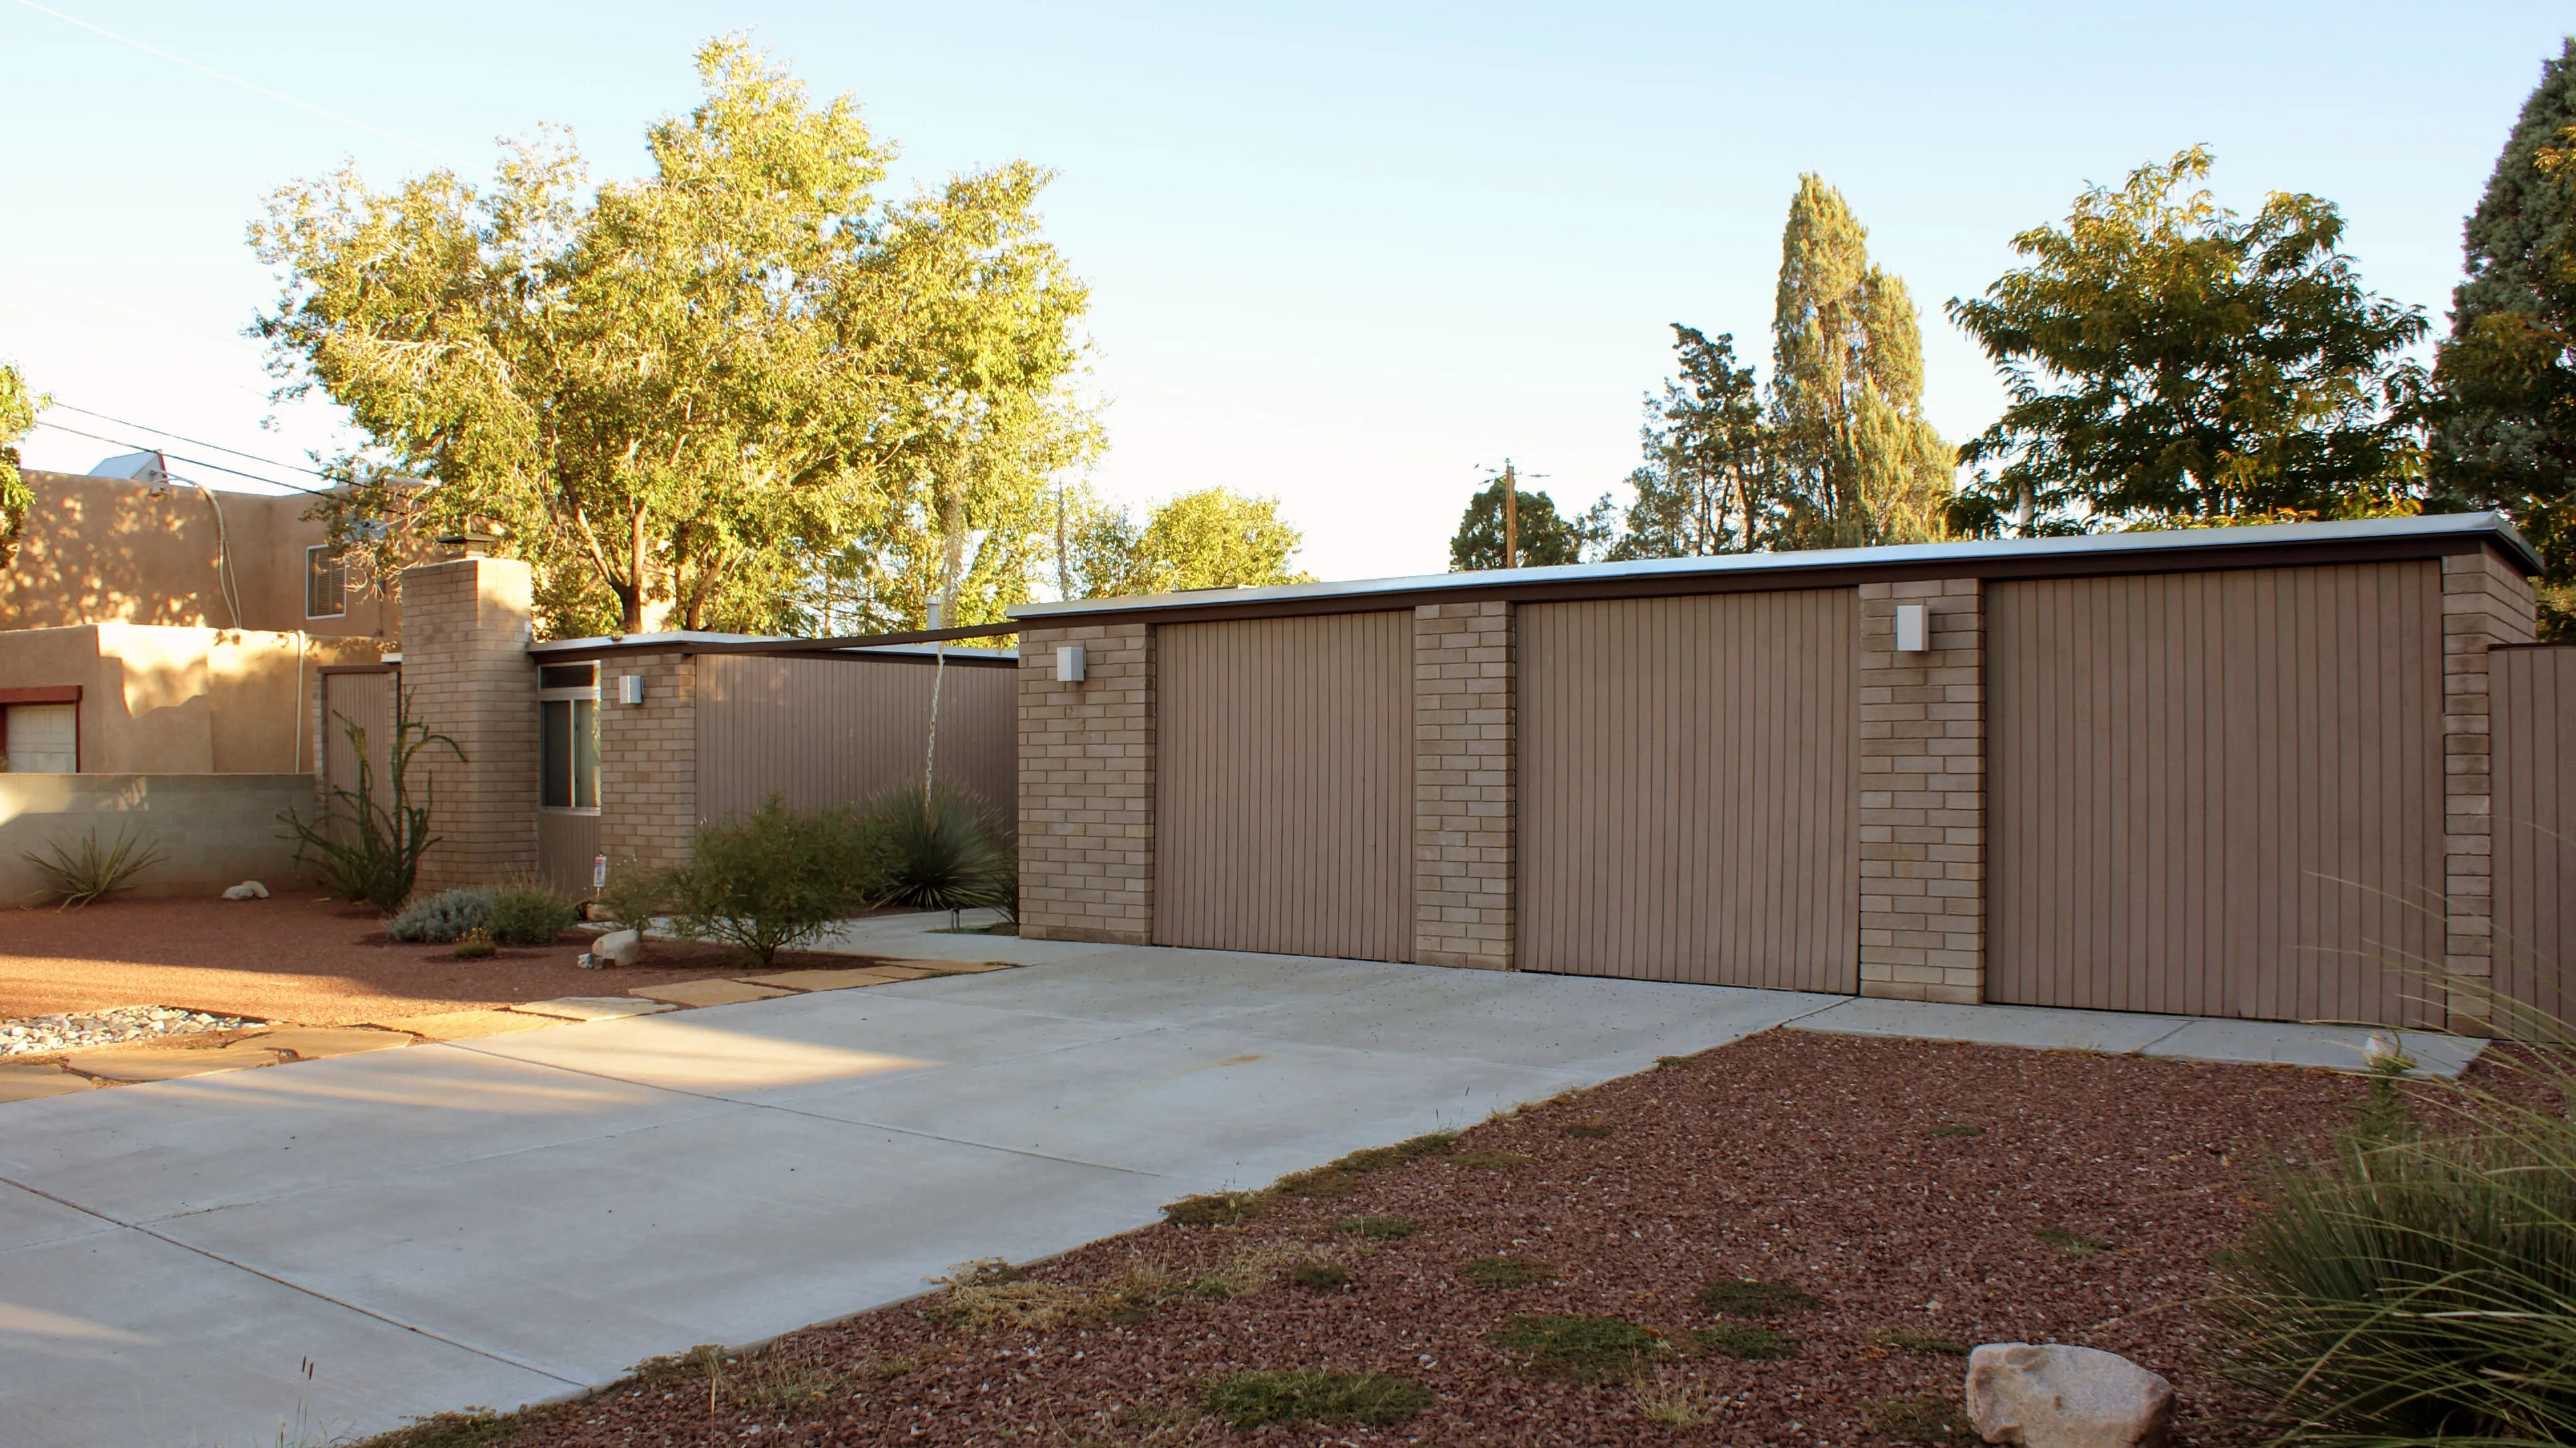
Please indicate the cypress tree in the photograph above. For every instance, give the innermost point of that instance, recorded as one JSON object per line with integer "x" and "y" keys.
{"x": 1861, "y": 461}
{"x": 2504, "y": 410}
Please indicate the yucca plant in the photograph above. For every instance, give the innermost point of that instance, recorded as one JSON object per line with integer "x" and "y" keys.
{"x": 90, "y": 873}
{"x": 941, "y": 850}
{"x": 2420, "y": 1286}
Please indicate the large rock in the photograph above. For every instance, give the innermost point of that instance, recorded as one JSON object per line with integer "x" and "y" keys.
{"x": 619, "y": 947}
{"x": 2056, "y": 1396}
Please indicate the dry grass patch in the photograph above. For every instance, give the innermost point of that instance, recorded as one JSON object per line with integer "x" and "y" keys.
{"x": 1921, "y": 1419}
{"x": 1744, "y": 1297}
{"x": 2069, "y": 1241}
{"x": 1753, "y": 1344}
{"x": 1214, "y": 1209}
{"x": 1501, "y": 1272}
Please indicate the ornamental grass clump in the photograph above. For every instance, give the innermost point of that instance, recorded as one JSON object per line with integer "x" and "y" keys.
{"x": 2419, "y": 1285}
{"x": 530, "y": 912}
{"x": 942, "y": 851}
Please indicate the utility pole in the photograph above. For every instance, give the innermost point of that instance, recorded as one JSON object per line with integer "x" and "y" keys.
{"x": 1511, "y": 517}
{"x": 1063, "y": 567}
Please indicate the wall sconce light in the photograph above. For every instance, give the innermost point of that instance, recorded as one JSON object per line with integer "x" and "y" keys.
{"x": 1068, "y": 663}
{"x": 1913, "y": 629}
{"x": 630, "y": 689}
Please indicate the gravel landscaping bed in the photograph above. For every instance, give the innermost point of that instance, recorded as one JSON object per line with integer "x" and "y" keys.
{"x": 46, "y": 1035}
{"x": 1786, "y": 1240}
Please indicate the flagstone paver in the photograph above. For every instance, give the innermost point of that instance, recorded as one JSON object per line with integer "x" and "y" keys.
{"x": 314, "y": 1043}
{"x": 594, "y": 1008}
{"x": 812, "y": 980}
{"x": 169, "y": 1061}
{"x": 708, "y": 992}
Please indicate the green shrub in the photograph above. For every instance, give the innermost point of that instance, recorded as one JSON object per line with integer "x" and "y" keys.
{"x": 2416, "y": 1287}
{"x": 943, "y": 852}
{"x": 91, "y": 874}
{"x": 445, "y": 916}
{"x": 774, "y": 879}
{"x": 632, "y": 896}
{"x": 1257, "y": 1399}
{"x": 365, "y": 850}
{"x": 529, "y": 912}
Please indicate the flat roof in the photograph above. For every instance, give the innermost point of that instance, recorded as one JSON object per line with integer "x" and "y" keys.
{"x": 2093, "y": 554}
{"x": 683, "y": 641}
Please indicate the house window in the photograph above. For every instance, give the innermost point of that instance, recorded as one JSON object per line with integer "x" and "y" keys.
{"x": 568, "y": 736}
{"x": 326, "y": 583}
{"x": 42, "y": 738}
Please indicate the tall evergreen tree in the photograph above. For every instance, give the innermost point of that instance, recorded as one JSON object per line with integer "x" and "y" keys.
{"x": 1863, "y": 463}
{"x": 1706, "y": 486}
{"x": 2504, "y": 410}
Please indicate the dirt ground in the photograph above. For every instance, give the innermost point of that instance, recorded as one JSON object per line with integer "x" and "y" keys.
{"x": 295, "y": 957}
{"x": 1926, "y": 1197}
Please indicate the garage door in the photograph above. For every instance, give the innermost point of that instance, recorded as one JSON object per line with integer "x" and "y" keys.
{"x": 1689, "y": 781}
{"x": 2216, "y": 793}
{"x": 1284, "y": 785}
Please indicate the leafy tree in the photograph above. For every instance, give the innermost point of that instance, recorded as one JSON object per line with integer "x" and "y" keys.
{"x": 1546, "y": 539}
{"x": 18, "y": 409}
{"x": 1707, "y": 485}
{"x": 1859, "y": 459}
{"x": 1208, "y": 539}
{"x": 698, "y": 391}
{"x": 2170, "y": 361}
{"x": 2504, "y": 410}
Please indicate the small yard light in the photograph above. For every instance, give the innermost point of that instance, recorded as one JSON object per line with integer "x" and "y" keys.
{"x": 1913, "y": 630}
{"x": 1068, "y": 663}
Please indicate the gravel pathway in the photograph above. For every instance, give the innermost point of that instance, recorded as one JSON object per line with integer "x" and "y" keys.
{"x": 1925, "y": 1195}
{"x": 46, "y": 1035}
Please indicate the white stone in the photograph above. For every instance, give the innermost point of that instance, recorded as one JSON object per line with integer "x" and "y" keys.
{"x": 619, "y": 947}
{"x": 2060, "y": 1396}
{"x": 247, "y": 890}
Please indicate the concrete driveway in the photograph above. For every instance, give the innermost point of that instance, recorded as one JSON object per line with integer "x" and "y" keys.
{"x": 324, "y": 1250}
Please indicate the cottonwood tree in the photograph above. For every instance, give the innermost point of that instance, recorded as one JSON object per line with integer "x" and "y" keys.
{"x": 1860, "y": 461}
{"x": 2504, "y": 406}
{"x": 691, "y": 394}
{"x": 18, "y": 408}
{"x": 1707, "y": 485}
{"x": 2171, "y": 361}
{"x": 1212, "y": 538}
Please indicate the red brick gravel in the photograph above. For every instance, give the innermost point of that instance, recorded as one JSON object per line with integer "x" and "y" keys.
{"x": 1805, "y": 1159}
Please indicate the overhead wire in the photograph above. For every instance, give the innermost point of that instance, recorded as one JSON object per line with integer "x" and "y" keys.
{"x": 192, "y": 462}
{"x": 190, "y": 441}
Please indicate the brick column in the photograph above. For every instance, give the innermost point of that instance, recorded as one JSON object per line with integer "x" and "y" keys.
{"x": 1087, "y": 786}
{"x": 466, "y": 669}
{"x": 2485, "y": 602}
{"x": 1923, "y": 795}
{"x": 648, "y": 761}
{"x": 1466, "y": 801}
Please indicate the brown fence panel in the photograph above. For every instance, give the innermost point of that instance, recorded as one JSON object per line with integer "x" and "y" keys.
{"x": 366, "y": 699}
{"x": 2217, "y": 793}
{"x": 568, "y": 849}
{"x": 2533, "y": 696}
{"x": 1284, "y": 786}
{"x": 1690, "y": 774}
{"x": 840, "y": 731}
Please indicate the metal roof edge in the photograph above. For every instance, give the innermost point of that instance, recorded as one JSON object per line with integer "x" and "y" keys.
{"x": 1926, "y": 556}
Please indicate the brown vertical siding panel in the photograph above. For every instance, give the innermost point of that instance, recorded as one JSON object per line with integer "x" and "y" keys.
{"x": 2534, "y": 704}
{"x": 368, "y": 701}
{"x": 2212, "y": 793}
{"x": 1284, "y": 787}
{"x": 567, "y": 845}
{"x": 826, "y": 732}
{"x": 1688, "y": 781}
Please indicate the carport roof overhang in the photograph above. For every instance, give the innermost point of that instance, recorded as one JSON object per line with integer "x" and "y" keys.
{"x": 2186, "y": 550}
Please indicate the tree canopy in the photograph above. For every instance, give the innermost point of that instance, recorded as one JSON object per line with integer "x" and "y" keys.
{"x": 2171, "y": 361}
{"x": 18, "y": 408}
{"x": 1708, "y": 485}
{"x": 706, "y": 392}
{"x": 2504, "y": 412}
{"x": 1546, "y": 539}
{"x": 1211, "y": 538}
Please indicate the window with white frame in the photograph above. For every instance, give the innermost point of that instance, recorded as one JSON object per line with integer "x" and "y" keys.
{"x": 326, "y": 582}
{"x": 568, "y": 736}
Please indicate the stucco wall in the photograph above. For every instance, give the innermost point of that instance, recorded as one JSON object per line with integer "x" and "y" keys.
{"x": 213, "y": 830}
{"x": 100, "y": 550}
{"x": 181, "y": 700}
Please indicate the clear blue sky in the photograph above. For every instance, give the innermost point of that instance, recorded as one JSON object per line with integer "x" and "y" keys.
{"x": 1344, "y": 254}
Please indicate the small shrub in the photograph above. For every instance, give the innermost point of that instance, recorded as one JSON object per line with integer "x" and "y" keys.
{"x": 773, "y": 879}
{"x": 1920, "y": 1419}
{"x": 475, "y": 944}
{"x": 633, "y": 896}
{"x": 530, "y": 912}
{"x": 989, "y": 1293}
{"x": 1503, "y": 1272}
{"x": 1753, "y": 1344}
{"x": 1672, "y": 1402}
{"x": 1214, "y": 1209}
{"x": 1492, "y": 1160}
{"x": 1743, "y": 1297}
{"x": 1957, "y": 1129}
{"x": 91, "y": 874}
{"x": 1922, "y": 1344}
{"x": 2069, "y": 1241}
{"x": 942, "y": 851}
{"x": 365, "y": 850}
{"x": 1382, "y": 1227}
{"x": 1257, "y": 1399}
{"x": 1319, "y": 1276}
{"x": 1578, "y": 1349}
{"x": 445, "y": 916}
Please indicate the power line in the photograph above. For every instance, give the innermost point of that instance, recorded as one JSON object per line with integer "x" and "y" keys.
{"x": 245, "y": 85}
{"x": 190, "y": 441}
{"x": 192, "y": 462}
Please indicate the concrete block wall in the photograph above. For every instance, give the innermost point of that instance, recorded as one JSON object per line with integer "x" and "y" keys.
{"x": 1465, "y": 785}
{"x": 466, "y": 629}
{"x": 2485, "y": 602}
{"x": 1087, "y": 786}
{"x": 648, "y": 761}
{"x": 1923, "y": 794}
{"x": 212, "y": 830}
